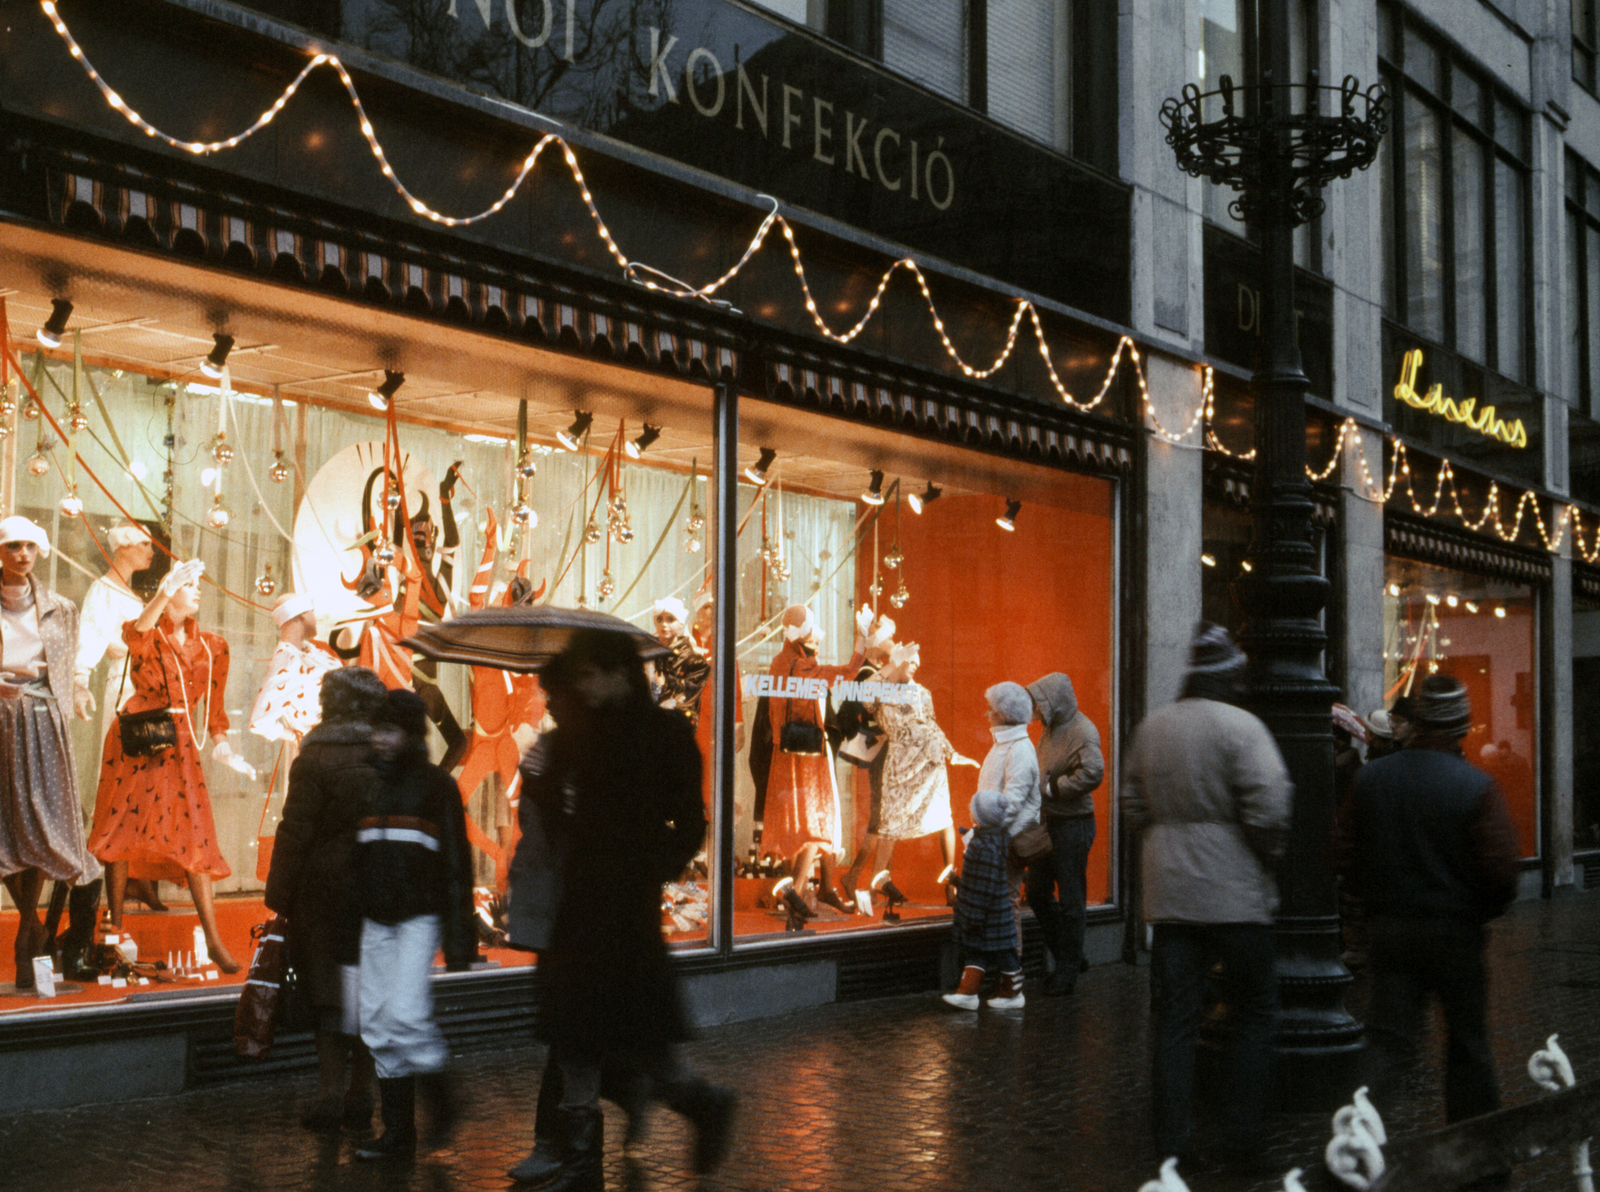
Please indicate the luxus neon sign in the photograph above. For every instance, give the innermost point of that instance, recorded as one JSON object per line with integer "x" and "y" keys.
{"x": 1485, "y": 421}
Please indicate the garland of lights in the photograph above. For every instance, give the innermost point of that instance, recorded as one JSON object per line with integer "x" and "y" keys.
{"x": 1570, "y": 517}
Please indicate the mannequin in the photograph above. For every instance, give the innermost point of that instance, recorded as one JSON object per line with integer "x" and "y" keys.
{"x": 682, "y": 674}
{"x": 108, "y": 605}
{"x": 916, "y": 787}
{"x": 704, "y": 633}
{"x": 287, "y": 706}
{"x": 802, "y": 811}
{"x": 854, "y": 718}
{"x": 41, "y": 820}
{"x": 152, "y": 815}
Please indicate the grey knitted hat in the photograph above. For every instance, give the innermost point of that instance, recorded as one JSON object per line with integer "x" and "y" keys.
{"x": 1011, "y": 701}
{"x": 1443, "y": 707}
{"x": 1212, "y": 651}
{"x": 989, "y": 808}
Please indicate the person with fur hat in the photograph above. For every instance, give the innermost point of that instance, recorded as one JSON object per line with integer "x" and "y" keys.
{"x": 1427, "y": 844}
{"x": 1011, "y": 766}
{"x": 1208, "y": 794}
{"x": 1071, "y": 766}
{"x": 986, "y": 909}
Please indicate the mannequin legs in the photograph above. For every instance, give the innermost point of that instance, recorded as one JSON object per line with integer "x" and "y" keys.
{"x": 116, "y": 891}
{"x": 200, "y": 887}
{"x": 868, "y": 851}
{"x": 24, "y": 888}
{"x": 803, "y": 861}
{"x": 145, "y": 891}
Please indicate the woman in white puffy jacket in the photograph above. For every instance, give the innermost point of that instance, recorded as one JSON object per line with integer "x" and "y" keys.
{"x": 1011, "y": 765}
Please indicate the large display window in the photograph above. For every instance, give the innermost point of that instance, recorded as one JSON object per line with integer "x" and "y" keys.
{"x": 1483, "y": 632}
{"x": 971, "y": 571}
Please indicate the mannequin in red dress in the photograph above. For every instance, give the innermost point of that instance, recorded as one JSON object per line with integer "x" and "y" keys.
{"x": 152, "y": 814}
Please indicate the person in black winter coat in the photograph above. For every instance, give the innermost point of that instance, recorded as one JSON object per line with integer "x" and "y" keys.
{"x": 414, "y": 875}
{"x": 617, "y": 784}
{"x": 312, "y": 883}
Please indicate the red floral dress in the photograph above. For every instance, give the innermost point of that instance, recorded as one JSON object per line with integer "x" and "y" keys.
{"x": 155, "y": 812}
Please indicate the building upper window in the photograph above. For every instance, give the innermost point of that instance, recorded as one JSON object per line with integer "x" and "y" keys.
{"x": 1583, "y": 43}
{"x": 1009, "y": 59}
{"x": 1580, "y": 308}
{"x": 1453, "y": 175}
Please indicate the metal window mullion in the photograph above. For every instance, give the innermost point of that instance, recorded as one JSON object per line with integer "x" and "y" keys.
{"x": 725, "y": 484}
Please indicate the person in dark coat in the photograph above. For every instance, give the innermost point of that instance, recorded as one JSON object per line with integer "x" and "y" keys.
{"x": 617, "y": 784}
{"x": 1428, "y": 845}
{"x": 414, "y": 875}
{"x": 312, "y": 884}
{"x": 986, "y": 909}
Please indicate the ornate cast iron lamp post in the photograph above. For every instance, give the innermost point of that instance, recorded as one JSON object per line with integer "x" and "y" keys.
{"x": 1278, "y": 153}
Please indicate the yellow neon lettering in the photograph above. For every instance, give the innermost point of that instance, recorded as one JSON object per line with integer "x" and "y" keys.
{"x": 1465, "y": 412}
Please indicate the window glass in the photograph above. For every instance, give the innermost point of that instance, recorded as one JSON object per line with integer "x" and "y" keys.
{"x": 1421, "y": 61}
{"x": 1467, "y": 188}
{"x": 1585, "y": 713}
{"x": 801, "y": 12}
{"x": 812, "y": 540}
{"x": 1027, "y": 76}
{"x": 1383, "y": 179}
{"x": 1573, "y": 285}
{"x": 925, "y": 40}
{"x": 1224, "y": 28}
{"x": 1466, "y": 95}
{"x": 1510, "y": 268}
{"x": 1591, "y": 308}
{"x": 1592, "y": 189}
{"x": 1482, "y": 632}
{"x": 1385, "y": 32}
{"x": 1424, "y": 230}
{"x": 1510, "y": 128}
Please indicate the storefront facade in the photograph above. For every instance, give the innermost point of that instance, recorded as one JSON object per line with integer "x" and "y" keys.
{"x": 621, "y": 297}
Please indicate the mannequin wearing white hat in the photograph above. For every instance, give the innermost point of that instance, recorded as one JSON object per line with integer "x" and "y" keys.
{"x": 287, "y": 707}
{"x": 855, "y": 719}
{"x": 681, "y": 676}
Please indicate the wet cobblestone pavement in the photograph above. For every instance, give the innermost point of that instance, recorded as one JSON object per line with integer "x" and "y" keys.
{"x": 896, "y": 1094}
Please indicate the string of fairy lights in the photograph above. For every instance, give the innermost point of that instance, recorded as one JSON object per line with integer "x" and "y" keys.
{"x": 1569, "y": 519}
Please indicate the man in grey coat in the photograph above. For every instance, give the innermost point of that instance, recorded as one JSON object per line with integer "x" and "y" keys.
{"x": 1070, "y": 768}
{"x": 1208, "y": 792}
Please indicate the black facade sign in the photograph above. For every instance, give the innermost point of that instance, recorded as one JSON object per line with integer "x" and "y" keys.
{"x": 1441, "y": 400}
{"x": 751, "y": 99}
{"x": 1233, "y": 310}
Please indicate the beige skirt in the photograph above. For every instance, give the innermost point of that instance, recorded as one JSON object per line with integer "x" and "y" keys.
{"x": 41, "y": 822}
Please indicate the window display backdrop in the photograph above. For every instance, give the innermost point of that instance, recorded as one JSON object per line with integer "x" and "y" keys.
{"x": 1483, "y": 632}
{"x": 982, "y": 603}
{"x": 1585, "y": 714}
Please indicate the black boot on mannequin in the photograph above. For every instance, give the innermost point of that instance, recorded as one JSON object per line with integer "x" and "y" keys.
{"x": 397, "y": 1101}
{"x": 582, "y": 1146}
{"x": 82, "y": 904}
{"x": 544, "y": 1161}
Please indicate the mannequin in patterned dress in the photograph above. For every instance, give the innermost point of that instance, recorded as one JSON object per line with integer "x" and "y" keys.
{"x": 287, "y": 706}
{"x": 152, "y": 814}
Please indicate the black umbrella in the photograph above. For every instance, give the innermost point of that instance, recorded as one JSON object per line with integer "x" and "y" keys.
{"x": 522, "y": 638}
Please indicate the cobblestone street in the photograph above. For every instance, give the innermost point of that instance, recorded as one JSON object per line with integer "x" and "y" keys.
{"x": 891, "y": 1094}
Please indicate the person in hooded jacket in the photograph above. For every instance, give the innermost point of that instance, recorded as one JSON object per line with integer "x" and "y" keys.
{"x": 1071, "y": 766}
{"x": 414, "y": 873}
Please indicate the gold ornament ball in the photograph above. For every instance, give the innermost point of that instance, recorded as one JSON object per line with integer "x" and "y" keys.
{"x": 38, "y": 465}
{"x": 30, "y": 411}
{"x": 591, "y": 533}
{"x": 77, "y": 420}
{"x": 70, "y": 506}
{"x": 606, "y": 586}
{"x": 391, "y": 501}
{"x": 217, "y": 516}
{"x": 697, "y": 521}
{"x": 691, "y": 544}
{"x": 266, "y": 582}
{"x": 222, "y": 450}
{"x": 5, "y": 430}
{"x": 7, "y": 407}
{"x": 524, "y": 515}
{"x": 384, "y": 554}
{"x": 279, "y": 472}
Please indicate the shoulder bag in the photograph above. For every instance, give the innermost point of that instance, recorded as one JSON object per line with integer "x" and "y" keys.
{"x": 1031, "y": 844}
{"x": 805, "y": 740}
{"x": 145, "y": 734}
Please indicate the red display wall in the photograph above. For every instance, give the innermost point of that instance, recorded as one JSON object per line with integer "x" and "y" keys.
{"x": 986, "y": 606}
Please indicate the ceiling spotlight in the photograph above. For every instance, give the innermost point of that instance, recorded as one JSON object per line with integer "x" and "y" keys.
{"x": 1207, "y": 560}
{"x": 1009, "y": 520}
{"x": 384, "y": 393}
{"x": 1499, "y": 611}
{"x": 756, "y": 473}
{"x": 918, "y": 500}
{"x": 1394, "y": 589}
{"x": 642, "y": 444}
{"x": 1451, "y": 601}
{"x": 1432, "y": 599}
{"x": 1472, "y": 607}
{"x": 580, "y": 425}
{"x": 874, "y": 493}
{"x": 56, "y": 325}
{"x": 217, "y": 357}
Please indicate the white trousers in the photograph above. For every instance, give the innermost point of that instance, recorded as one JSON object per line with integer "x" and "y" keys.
{"x": 396, "y": 999}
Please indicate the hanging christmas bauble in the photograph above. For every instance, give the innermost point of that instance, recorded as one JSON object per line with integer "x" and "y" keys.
{"x": 625, "y": 532}
{"x": 279, "y": 471}
{"x": 70, "y": 505}
{"x": 526, "y": 468}
{"x": 691, "y": 544}
{"x": 30, "y": 411}
{"x": 77, "y": 420}
{"x": 583, "y": 601}
{"x": 898, "y": 600}
{"x": 266, "y": 582}
{"x": 591, "y": 533}
{"x": 391, "y": 500}
{"x": 780, "y": 569}
{"x": 697, "y": 519}
{"x": 217, "y": 516}
{"x": 38, "y": 465}
{"x": 5, "y": 429}
{"x": 894, "y": 558}
{"x": 221, "y": 449}
{"x": 8, "y": 405}
{"x": 384, "y": 553}
{"x": 522, "y": 513}
{"x": 606, "y": 586}
{"x": 875, "y": 588}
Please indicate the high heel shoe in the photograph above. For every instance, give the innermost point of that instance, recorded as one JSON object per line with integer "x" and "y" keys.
{"x": 222, "y": 958}
{"x": 830, "y": 896}
{"x": 30, "y": 938}
{"x": 144, "y": 890}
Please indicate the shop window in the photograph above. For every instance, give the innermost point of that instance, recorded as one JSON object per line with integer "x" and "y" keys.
{"x": 1585, "y": 714}
{"x": 981, "y": 604}
{"x": 1453, "y": 178}
{"x": 1484, "y": 633}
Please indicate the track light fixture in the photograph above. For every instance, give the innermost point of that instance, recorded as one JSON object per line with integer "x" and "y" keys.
{"x": 1009, "y": 520}
{"x": 384, "y": 393}
{"x": 571, "y": 437}
{"x": 56, "y": 325}
{"x": 874, "y": 493}
{"x": 756, "y": 473}
{"x": 919, "y": 501}
{"x": 642, "y": 443}
{"x": 213, "y": 364}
